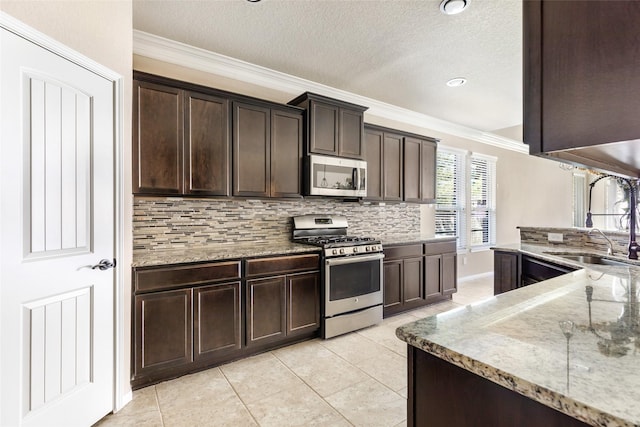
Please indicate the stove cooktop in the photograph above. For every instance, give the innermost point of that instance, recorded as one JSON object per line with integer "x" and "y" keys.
{"x": 338, "y": 241}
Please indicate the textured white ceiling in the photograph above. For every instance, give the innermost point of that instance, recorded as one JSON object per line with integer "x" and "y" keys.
{"x": 397, "y": 51}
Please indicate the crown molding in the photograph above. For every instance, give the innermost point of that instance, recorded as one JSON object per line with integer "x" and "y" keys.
{"x": 173, "y": 52}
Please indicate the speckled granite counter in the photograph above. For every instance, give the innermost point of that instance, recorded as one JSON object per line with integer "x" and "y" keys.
{"x": 218, "y": 252}
{"x": 405, "y": 239}
{"x": 514, "y": 340}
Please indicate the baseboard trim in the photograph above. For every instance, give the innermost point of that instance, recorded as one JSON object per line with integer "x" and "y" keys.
{"x": 475, "y": 276}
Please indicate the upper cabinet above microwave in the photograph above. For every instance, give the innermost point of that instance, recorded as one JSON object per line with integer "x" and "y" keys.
{"x": 581, "y": 82}
{"x": 334, "y": 127}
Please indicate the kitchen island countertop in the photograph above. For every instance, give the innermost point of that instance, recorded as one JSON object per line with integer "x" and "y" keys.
{"x": 514, "y": 339}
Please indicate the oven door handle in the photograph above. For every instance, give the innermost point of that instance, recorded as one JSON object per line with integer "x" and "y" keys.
{"x": 353, "y": 259}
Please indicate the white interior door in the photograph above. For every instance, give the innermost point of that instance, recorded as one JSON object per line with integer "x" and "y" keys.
{"x": 56, "y": 221}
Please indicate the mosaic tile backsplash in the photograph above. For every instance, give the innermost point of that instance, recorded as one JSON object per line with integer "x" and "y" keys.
{"x": 171, "y": 223}
{"x": 577, "y": 238}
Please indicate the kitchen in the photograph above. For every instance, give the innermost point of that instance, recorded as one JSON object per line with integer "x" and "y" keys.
{"x": 522, "y": 180}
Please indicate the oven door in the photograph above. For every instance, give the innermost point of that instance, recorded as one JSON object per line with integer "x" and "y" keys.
{"x": 352, "y": 283}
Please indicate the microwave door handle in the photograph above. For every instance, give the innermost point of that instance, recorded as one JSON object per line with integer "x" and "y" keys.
{"x": 355, "y": 179}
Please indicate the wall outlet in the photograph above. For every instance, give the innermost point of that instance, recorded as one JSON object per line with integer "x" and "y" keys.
{"x": 554, "y": 237}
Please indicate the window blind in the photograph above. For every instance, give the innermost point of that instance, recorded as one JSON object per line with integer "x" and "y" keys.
{"x": 450, "y": 195}
{"x": 482, "y": 178}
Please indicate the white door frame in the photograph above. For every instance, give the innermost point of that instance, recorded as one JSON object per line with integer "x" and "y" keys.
{"x": 17, "y": 27}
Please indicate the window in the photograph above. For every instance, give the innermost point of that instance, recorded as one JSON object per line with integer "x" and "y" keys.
{"x": 579, "y": 199}
{"x": 465, "y": 198}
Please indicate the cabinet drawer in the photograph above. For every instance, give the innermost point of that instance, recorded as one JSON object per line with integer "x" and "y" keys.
{"x": 405, "y": 251}
{"x": 279, "y": 265}
{"x": 170, "y": 277}
{"x": 439, "y": 248}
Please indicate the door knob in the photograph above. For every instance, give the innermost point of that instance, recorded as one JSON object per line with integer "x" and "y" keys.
{"x": 104, "y": 264}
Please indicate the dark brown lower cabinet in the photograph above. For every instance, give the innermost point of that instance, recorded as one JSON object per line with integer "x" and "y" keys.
{"x": 266, "y": 310}
{"x": 418, "y": 274}
{"x": 437, "y": 389}
{"x": 217, "y": 314}
{"x": 506, "y": 271}
{"x": 281, "y": 307}
{"x": 163, "y": 331}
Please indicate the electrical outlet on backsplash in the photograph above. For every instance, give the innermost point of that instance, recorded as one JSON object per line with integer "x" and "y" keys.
{"x": 165, "y": 223}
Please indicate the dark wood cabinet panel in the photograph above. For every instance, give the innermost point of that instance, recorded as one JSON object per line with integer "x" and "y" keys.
{"x": 266, "y": 310}
{"x": 506, "y": 271}
{"x": 251, "y": 150}
{"x": 351, "y": 133}
{"x": 157, "y": 139}
{"x": 323, "y": 129}
{"x": 437, "y": 388}
{"x": 581, "y": 83}
{"x": 162, "y": 331}
{"x": 412, "y": 281}
{"x": 432, "y": 274}
{"x": 206, "y": 145}
{"x": 286, "y": 154}
{"x": 303, "y": 300}
{"x": 392, "y": 286}
{"x": 373, "y": 143}
{"x": 419, "y": 170}
{"x": 283, "y": 264}
{"x": 159, "y": 278}
{"x": 217, "y": 320}
{"x": 392, "y": 167}
{"x": 334, "y": 127}
{"x": 449, "y": 273}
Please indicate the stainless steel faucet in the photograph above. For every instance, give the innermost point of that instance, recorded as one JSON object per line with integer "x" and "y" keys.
{"x": 610, "y": 250}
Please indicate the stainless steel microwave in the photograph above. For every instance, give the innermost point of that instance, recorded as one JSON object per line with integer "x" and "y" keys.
{"x": 336, "y": 176}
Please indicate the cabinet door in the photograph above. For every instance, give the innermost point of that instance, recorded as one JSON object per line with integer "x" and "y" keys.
{"x": 206, "y": 145}
{"x": 392, "y": 167}
{"x": 449, "y": 274}
{"x": 392, "y": 286}
{"x": 373, "y": 140}
{"x": 323, "y": 129}
{"x": 412, "y": 281}
{"x": 157, "y": 139}
{"x": 266, "y": 310}
{"x": 432, "y": 276}
{"x": 428, "y": 151}
{"x": 286, "y": 154}
{"x": 350, "y": 136}
{"x": 412, "y": 170}
{"x": 506, "y": 271}
{"x": 163, "y": 331}
{"x": 251, "y": 150}
{"x": 217, "y": 320}
{"x": 303, "y": 299}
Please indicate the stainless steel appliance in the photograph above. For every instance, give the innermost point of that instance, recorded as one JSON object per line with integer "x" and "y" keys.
{"x": 351, "y": 273}
{"x": 336, "y": 176}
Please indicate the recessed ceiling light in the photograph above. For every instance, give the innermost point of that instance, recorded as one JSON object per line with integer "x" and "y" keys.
{"x": 458, "y": 81}
{"x": 452, "y": 7}
{"x": 253, "y": 1}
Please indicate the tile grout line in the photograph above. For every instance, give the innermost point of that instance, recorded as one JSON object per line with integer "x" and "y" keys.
{"x": 238, "y": 395}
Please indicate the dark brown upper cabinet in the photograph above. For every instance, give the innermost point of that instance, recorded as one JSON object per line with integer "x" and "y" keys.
{"x": 333, "y": 127}
{"x": 581, "y": 82}
{"x": 419, "y": 170}
{"x": 180, "y": 141}
{"x": 267, "y": 151}
{"x": 400, "y": 166}
{"x": 157, "y": 138}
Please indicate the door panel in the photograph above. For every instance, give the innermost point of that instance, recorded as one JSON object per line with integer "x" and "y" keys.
{"x": 56, "y": 221}
{"x": 286, "y": 154}
{"x": 392, "y": 167}
{"x": 413, "y": 286}
{"x": 373, "y": 155}
{"x": 303, "y": 314}
{"x": 432, "y": 276}
{"x": 251, "y": 150}
{"x": 217, "y": 320}
{"x": 266, "y": 310}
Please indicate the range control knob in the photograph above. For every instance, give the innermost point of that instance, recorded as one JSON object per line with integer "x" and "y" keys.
{"x": 355, "y": 250}
{"x": 334, "y": 252}
{"x": 367, "y": 249}
{"x": 341, "y": 251}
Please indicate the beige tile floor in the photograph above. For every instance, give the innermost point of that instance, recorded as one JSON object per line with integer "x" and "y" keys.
{"x": 357, "y": 379}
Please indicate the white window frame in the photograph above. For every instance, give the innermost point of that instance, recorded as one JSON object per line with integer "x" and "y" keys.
{"x": 462, "y": 203}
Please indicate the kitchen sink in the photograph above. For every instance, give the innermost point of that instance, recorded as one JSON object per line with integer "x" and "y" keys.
{"x": 589, "y": 258}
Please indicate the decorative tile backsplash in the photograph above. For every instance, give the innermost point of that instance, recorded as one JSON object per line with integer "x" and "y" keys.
{"x": 577, "y": 238}
{"x": 171, "y": 223}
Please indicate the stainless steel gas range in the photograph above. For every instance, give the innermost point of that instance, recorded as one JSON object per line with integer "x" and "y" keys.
{"x": 351, "y": 273}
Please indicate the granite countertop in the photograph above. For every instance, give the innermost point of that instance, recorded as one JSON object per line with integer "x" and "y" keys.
{"x": 409, "y": 238}
{"x": 514, "y": 339}
{"x": 218, "y": 252}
